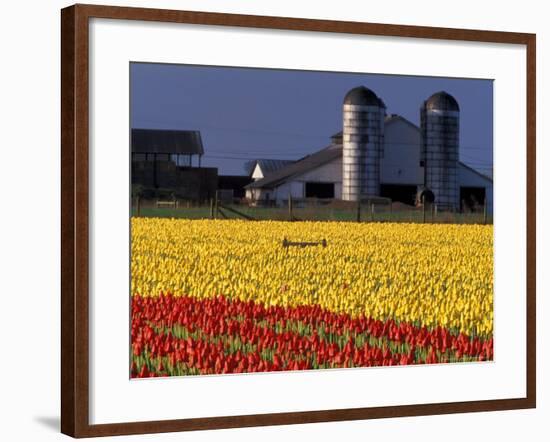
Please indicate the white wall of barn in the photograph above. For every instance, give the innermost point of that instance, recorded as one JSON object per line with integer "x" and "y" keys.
{"x": 294, "y": 188}
{"x": 327, "y": 173}
{"x": 401, "y": 161}
{"x": 330, "y": 172}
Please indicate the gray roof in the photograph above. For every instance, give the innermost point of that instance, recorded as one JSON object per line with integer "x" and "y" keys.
{"x": 396, "y": 117}
{"x": 299, "y": 167}
{"x": 167, "y": 141}
{"x": 482, "y": 175}
{"x": 269, "y": 166}
{"x": 337, "y": 138}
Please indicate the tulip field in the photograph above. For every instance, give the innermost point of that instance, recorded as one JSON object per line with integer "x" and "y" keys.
{"x": 226, "y": 296}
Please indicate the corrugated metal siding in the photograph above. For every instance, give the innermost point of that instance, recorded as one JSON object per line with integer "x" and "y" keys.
{"x": 185, "y": 142}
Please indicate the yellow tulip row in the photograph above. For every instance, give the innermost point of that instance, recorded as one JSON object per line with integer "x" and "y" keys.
{"x": 425, "y": 274}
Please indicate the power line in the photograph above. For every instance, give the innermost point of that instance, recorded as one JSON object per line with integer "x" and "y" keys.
{"x": 237, "y": 156}
{"x": 280, "y": 151}
{"x": 305, "y": 161}
{"x": 287, "y": 133}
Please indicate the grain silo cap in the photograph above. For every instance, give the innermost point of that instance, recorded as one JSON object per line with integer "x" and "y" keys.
{"x": 442, "y": 101}
{"x": 362, "y": 96}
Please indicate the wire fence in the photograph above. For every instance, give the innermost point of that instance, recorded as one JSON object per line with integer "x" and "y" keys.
{"x": 309, "y": 209}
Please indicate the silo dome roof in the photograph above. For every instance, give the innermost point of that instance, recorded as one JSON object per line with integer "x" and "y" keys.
{"x": 442, "y": 101}
{"x": 362, "y": 96}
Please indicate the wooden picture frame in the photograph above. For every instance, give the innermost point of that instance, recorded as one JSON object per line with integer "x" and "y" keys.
{"x": 75, "y": 219}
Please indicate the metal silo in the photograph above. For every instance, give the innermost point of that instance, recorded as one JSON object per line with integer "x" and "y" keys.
{"x": 363, "y": 141}
{"x": 439, "y": 120}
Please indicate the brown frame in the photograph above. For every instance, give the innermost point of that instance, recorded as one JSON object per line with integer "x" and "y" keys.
{"x": 74, "y": 219}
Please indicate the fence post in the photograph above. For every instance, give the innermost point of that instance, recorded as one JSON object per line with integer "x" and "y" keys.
{"x": 424, "y": 210}
{"x": 372, "y": 212}
{"x": 485, "y": 211}
{"x": 216, "y": 205}
{"x": 211, "y": 208}
{"x": 290, "y": 217}
{"x": 359, "y": 210}
{"x": 138, "y": 206}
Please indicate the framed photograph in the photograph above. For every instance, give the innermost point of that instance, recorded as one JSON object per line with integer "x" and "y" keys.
{"x": 272, "y": 221}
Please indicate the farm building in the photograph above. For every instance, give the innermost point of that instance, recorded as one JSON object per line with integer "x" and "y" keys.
{"x": 380, "y": 155}
{"x": 263, "y": 167}
{"x": 170, "y": 160}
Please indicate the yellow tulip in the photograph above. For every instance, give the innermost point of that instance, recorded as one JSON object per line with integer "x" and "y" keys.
{"x": 428, "y": 274}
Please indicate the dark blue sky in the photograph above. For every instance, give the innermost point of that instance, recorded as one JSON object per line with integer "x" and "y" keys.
{"x": 245, "y": 113}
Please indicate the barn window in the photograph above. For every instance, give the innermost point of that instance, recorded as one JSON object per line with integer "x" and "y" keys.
{"x": 319, "y": 190}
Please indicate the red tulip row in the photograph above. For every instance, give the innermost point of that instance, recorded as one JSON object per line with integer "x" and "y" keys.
{"x": 184, "y": 335}
{"x": 167, "y": 355}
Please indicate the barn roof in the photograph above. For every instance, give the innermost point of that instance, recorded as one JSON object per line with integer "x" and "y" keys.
{"x": 337, "y": 138}
{"x": 167, "y": 141}
{"x": 392, "y": 118}
{"x": 269, "y": 166}
{"x": 470, "y": 168}
{"x": 299, "y": 167}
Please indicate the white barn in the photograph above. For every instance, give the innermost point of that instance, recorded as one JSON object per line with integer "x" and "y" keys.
{"x": 402, "y": 175}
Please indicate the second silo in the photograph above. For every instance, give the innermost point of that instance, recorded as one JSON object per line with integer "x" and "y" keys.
{"x": 439, "y": 120}
{"x": 363, "y": 141}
